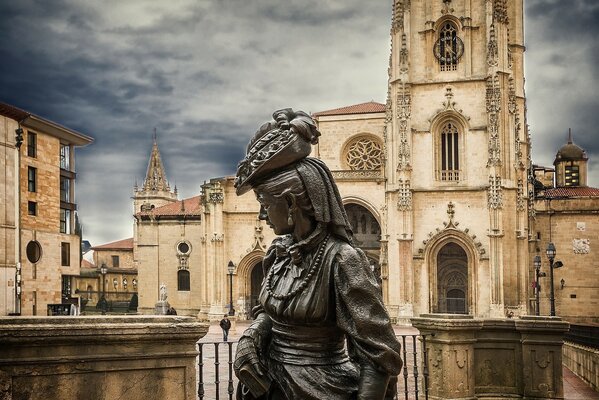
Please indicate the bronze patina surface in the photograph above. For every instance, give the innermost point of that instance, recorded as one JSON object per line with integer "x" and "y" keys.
{"x": 321, "y": 330}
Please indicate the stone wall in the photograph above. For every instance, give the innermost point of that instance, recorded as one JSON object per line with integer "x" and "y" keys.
{"x": 475, "y": 358}
{"x": 583, "y": 361}
{"x": 137, "y": 358}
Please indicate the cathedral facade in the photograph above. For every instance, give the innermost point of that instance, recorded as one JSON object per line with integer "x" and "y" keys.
{"x": 435, "y": 181}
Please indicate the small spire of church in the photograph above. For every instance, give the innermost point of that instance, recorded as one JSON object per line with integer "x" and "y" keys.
{"x": 569, "y": 135}
{"x": 155, "y": 176}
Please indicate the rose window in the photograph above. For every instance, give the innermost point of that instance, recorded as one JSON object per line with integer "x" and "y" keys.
{"x": 364, "y": 154}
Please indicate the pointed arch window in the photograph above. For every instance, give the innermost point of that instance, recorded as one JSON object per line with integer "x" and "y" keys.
{"x": 449, "y": 153}
{"x": 449, "y": 47}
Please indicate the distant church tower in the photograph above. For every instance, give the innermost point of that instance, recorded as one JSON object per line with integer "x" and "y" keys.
{"x": 155, "y": 191}
{"x": 457, "y": 159}
{"x": 570, "y": 165}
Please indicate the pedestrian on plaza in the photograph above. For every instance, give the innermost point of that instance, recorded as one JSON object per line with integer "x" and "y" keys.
{"x": 225, "y": 325}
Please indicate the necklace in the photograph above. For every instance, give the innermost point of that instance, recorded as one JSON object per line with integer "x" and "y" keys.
{"x": 304, "y": 282}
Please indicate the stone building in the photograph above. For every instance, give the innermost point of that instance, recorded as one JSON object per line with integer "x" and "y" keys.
{"x": 39, "y": 245}
{"x": 120, "y": 280}
{"x": 567, "y": 214}
{"x": 435, "y": 181}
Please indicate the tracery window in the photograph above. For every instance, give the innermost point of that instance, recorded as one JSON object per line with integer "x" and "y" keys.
{"x": 449, "y": 153}
{"x": 449, "y": 47}
{"x": 364, "y": 154}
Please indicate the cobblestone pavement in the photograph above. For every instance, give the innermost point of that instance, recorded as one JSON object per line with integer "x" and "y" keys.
{"x": 217, "y": 387}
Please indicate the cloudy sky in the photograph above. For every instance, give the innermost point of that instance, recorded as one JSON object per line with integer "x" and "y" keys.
{"x": 206, "y": 73}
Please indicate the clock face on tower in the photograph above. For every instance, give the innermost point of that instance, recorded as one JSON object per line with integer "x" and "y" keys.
{"x": 448, "y": 49}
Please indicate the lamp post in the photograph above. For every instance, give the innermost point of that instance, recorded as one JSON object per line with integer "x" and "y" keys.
{"x": 538, "y": 274}
{"x": 231, "y": 269}
{"x": 551, "y": 256}
{"x": 103, "y": 271}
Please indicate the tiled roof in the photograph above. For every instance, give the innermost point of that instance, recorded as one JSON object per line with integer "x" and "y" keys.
{"x": 187, "y": 207}
{"x": 362, "y": 108}
{"x": 13, "y": 112}
{"x": 125, "y": 244}
{"x": 87, "y": 264}
{"x": 565, "y": 192}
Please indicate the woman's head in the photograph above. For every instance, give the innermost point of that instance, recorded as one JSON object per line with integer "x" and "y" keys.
{"x": 284, "y": 202}
{"x": 306, "y": 191}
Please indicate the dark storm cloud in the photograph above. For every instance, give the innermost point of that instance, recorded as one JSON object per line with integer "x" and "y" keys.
{"x": 206, "y": 74}
{"x": 562, "y": 77}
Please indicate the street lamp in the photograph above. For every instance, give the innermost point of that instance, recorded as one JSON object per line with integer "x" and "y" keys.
{"x": 231, "y": 269}
{"x": 551, "y": 256}
{"x": 538, "y": 274}
{"x": 103, "y": 271}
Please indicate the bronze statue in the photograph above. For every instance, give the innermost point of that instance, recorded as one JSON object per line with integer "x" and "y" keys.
{"x": 321, "y": 330}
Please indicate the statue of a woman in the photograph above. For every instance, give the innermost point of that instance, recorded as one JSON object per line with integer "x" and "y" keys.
{"x": 321, "y": 330}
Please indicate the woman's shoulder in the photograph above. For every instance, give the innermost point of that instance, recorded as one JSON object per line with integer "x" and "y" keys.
{"x": 346, "y": 252}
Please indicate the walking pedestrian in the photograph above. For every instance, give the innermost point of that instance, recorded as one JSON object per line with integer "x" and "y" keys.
{"x": 225, "y": 325}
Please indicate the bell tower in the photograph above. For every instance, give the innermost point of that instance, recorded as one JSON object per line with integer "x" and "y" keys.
{"x": 155, "y": 191}
{"x": 457, "y": 158}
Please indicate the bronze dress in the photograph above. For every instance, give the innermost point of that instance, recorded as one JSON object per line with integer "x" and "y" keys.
{"x": 328, "y": 319}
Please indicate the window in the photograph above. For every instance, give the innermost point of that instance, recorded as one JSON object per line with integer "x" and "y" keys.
{"x": 449, "y": 47}
{"x": 65, "y": 221}
{"x": 183, "y": 280}
{"x": 183, "y": 248}
{"x": 572, "y": 175}
{"x": 115, "y": 261}
{"x": 449, "y": 157}
{"x": 34, "y": 251}
{"x": 31, "y": 179}
{"x": 32, "y": 208}
{"x": 31, "y": 144}
{"x": 65, "y": 189}
{"x": 65, "y": 157}
{"x": 65, "y": 254}
{"x": 66, "y": 287}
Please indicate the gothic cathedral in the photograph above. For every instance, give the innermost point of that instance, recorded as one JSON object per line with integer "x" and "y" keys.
{"x": 435, "y": 181}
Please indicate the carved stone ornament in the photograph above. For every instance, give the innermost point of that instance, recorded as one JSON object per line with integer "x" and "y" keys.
{"x": 492, "y": 49}
{"x": 449, "y": 226}
{"x": 404, "y": 202}
{"x": 447, "y": 9}
{"x": 500, "y": 11}
{"x": 357, "y": 175}
{"x": 403, "y": 114}
{"x": 495, "y": 195}
{"x": 520, "y": 199}
{"x": 364, "y": 154}
{"x": 532, "y": 213}
{"x": 493, "y": 105}
{"x": 217, "y": 197}
{"x": 258, "y": 238}
{"x": 581, "y": 246}
{"x": 403, "y": 55}
{"x": 399, "y": 7}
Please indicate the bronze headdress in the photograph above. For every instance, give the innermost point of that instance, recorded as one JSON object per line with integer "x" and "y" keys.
{"x": 284, "y": 140}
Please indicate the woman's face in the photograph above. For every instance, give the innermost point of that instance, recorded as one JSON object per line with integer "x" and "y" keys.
{"x": 275, "y": 211}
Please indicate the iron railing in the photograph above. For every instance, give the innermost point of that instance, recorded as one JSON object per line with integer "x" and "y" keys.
{"x": 586, "y": 335}
{"x": 214, "y": 358}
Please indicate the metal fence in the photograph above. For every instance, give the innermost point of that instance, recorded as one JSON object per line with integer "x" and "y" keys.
{"x": 586, "y": 335}
{"x": 216, "y": 379}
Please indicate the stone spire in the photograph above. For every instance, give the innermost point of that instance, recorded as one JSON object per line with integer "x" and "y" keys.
{"x": 155, "y": 176}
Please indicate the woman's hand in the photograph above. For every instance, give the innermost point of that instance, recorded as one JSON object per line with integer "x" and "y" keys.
{"x": 373, "y": 383}
{"x": 247, "y": 355}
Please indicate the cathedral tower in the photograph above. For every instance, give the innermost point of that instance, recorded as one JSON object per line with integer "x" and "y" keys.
{"x": 155, "y": 191}
{"x": 456, "y": 158}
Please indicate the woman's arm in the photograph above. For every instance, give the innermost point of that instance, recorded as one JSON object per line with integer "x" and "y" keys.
{"x": 364, "y": 318}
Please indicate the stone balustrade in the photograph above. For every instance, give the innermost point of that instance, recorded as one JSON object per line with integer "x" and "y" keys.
{"x": 99, "y": 357}
{"x": 477, "y": 358}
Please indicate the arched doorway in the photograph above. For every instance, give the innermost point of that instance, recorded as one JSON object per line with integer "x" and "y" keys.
{"x": 256, "y": 278}
{"x": 367, "y": 234}
{"x": 452, "y": 280}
